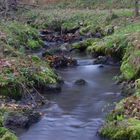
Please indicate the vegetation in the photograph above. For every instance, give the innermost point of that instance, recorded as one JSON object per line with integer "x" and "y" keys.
{"x": 126, "y": 130}
{"x": 92, "y": 4}
{"x": 20, "y": 36}
{"x": 5, "y": 134}
{"x": 23, "y": 72}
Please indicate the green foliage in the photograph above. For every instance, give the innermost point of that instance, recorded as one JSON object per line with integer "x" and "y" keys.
{"x": 128, "y": 70}
{"x": 5, "y": 134}
{"x": 12, "y": 91}
{"x": 83, "y": 45}
{"x": 71, "y": 18}
{"x": 92, "y": 4}
{"x": 124, "y": 130}
{"x": 27, "y": 71}
{"x": 33, "y": 43}
{"x": 122, "y": 44}
{"x": 117, "y": 115}
{"x": 123, "y": 123}
{"x": 130, "y": 66}
{"x": 19, "y": 35}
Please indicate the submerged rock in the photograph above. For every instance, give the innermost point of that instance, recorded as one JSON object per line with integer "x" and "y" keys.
{"x": 50, "y": 88}
{"x": 101, "y": 66}
{"x": 53, "y": 88}
{"x": 80, "y": 82}
{"x": 101, "y": 60}
{"x": 108, "y": 60}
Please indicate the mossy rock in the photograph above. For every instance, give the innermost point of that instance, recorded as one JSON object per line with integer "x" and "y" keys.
{"x": 83, "y": 45}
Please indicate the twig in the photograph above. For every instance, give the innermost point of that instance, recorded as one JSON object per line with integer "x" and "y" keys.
{"x": 38, "y": 92}
{"x": 24, "y": 87}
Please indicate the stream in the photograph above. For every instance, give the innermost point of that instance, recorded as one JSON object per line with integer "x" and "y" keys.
{"x": 79, "y": 110}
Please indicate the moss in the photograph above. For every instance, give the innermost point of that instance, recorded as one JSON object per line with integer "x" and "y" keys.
{"x": 85, "y": 30}
{"x": 91, "y": 4}
{"x": 5, "y": 134}
{"x": 128, "y": 70}
{"x": 123, "y": 123}
{"x": 124, "y": 130}
{"x": 83, "y": 45}
{"x": 33, "y": 44}
{"x": 19, "y": 35}
{"x": 130, "y": 67}
{"x": 20, "y": 73}
{"x": 123, "y": 45}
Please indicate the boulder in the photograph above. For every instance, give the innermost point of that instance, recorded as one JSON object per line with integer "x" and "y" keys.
{"x": 80, "y": 82}
{"x": 108, "y": 60}
{"x": 101, "y": 60}
{"x": 16, "y": 120}
{"x": 101, "y": 66}
{"x": 21, "y": 120}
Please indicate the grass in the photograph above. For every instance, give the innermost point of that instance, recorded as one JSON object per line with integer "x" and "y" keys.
{"x": 20, "y": 36}
{"x": 20, "y": 73}
{"x": 92, "y": 4}
{"x": 69, "y": 18}
{"x": 5, "y": 134}
{"x": 124, "y": 130}
{"x": 124, "y": 121}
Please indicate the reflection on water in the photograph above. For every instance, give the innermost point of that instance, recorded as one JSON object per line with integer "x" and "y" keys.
{"x": 78, "y": 112}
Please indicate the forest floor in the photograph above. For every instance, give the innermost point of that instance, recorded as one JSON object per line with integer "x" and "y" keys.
{"x": 112, "y": 39}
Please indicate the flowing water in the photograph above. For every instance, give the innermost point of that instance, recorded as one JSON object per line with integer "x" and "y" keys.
{"x": 78, "y": 111}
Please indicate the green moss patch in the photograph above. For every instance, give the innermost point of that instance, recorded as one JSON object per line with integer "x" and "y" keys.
{"x": 124, "y": 130}
{"x": 20, "y": 36}
{"x": 23, "y": 72}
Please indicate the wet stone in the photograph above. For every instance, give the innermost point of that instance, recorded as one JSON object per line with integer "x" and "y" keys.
{"x": 80, "y": 82}
{"x": 21, "y": 120}
{"x": 101, "y": 60}
{"x": 101, "y": 66}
